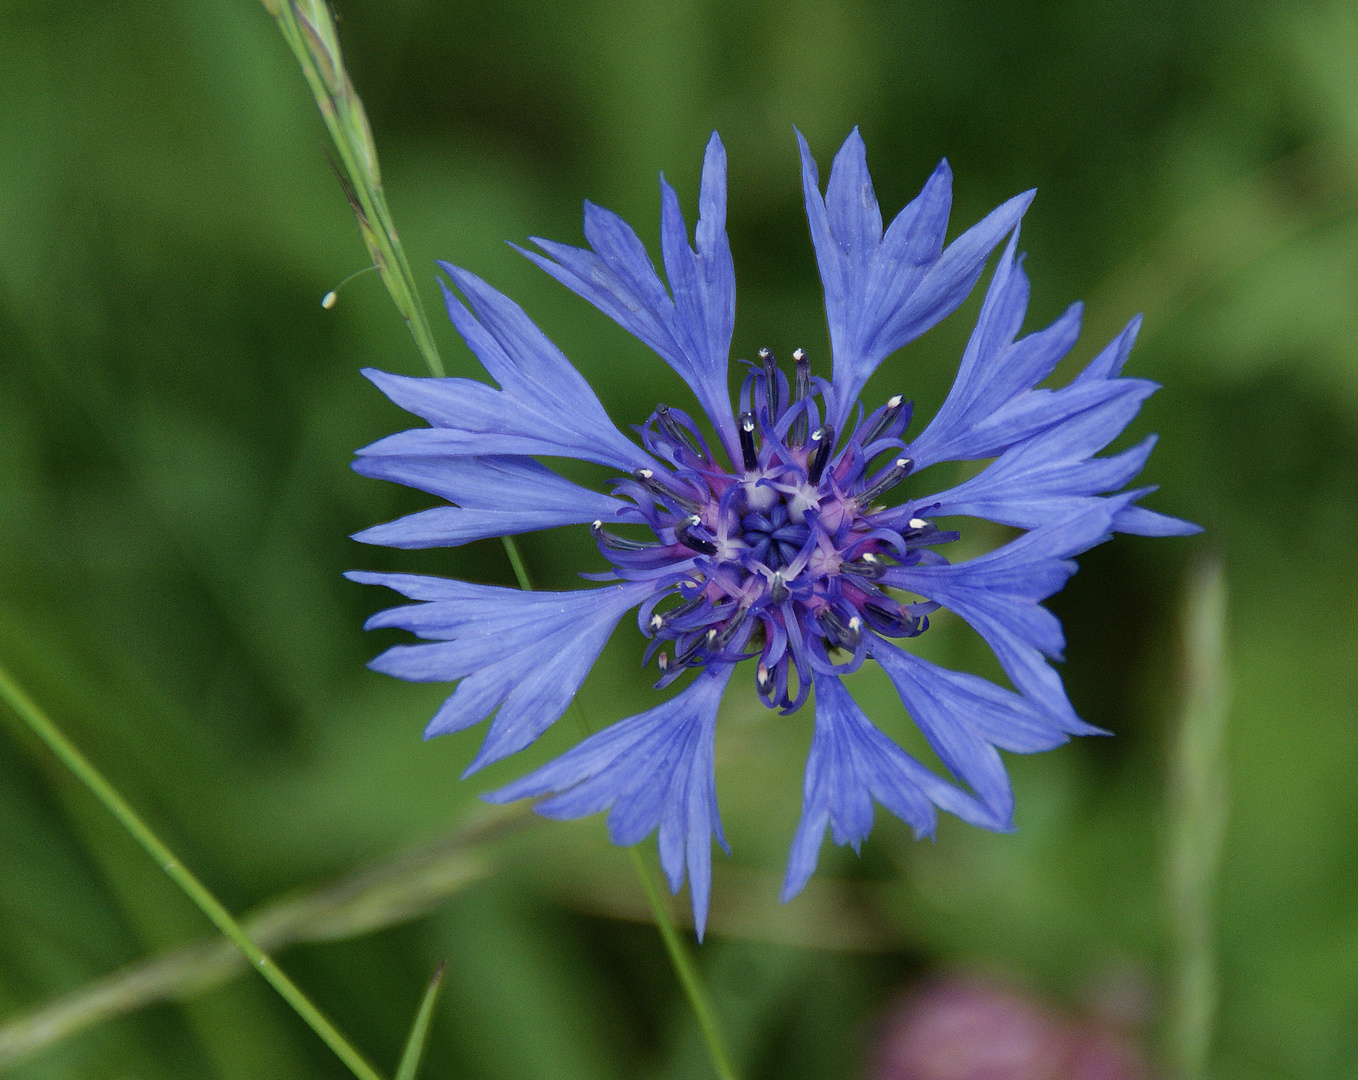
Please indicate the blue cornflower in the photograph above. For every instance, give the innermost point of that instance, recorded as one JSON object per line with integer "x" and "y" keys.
{"x": 776, "y": 543}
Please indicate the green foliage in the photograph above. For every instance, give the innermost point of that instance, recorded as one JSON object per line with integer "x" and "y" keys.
{"x": 178, "y": 414}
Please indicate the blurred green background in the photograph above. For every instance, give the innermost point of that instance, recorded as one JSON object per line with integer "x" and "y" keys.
{"x": 177, "y": 415}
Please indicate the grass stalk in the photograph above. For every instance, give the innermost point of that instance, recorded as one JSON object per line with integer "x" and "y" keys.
{"x": 1199, "y": 803}
{"x": 310, "y": 32}
{"x": 397, "y": 890}
{"x": 28, "y": 711}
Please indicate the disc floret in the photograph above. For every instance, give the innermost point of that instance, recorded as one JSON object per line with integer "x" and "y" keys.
{"x": 780, "y": 557}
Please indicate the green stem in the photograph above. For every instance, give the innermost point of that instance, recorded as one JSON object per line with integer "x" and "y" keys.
{"x": 74, "y": 760}
{"x": 516, "y": 561}
{"x": 684, "y": 967}
{"x": 687, "y": 971}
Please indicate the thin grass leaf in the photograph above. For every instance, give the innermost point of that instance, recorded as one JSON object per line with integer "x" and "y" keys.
{"x": 419, "y": 1030}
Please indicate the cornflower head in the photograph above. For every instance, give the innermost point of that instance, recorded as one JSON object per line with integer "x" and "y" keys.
{"x": 799, "y": 536}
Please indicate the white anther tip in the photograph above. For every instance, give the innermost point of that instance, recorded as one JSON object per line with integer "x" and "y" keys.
{"x": 597, "y": 523}
{"x": 657, "y": 622}
{"x": 799, "y": 355}
{"x": 902, "y": 462}
{"x": 855, "y": 623}
{"x": 918, "y": 523}
{"x": 894, "y": 402}
{"x": 328, "y": 300}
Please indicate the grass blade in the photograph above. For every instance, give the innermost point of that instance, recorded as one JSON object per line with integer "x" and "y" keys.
{"x": 65, "y": 750}
{"x": 419, "y": 1030}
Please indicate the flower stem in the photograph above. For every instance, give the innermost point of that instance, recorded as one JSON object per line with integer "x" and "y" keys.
{"x": 686, "y": 970}
{"x": 684, "y": 967}
{"x": 73, "y": 759}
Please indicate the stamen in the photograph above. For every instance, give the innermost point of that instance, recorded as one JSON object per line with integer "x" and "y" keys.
{"x": 719, "y": 640}
{"x": 796, "y": 436}
{"x": 778, "y": 590}
{"x": 683, "y": 534}
{"x": 867, "y": 566}
{"x": 838, "y": 632}
{"x": 676, "y": 432}
{"x": 747, "y": 448}
{"x": 918, "y": 523}
{"x": 616, "y": 542}
{"x": 886, "y": 480}
{"x": 701, "y": 641}
{"x": 647, "y": 479}
{"x": 824, "y": 440}
{"x": 891, "y": 618}
{"x": 688, "y": 607}
{"x": 884, "y": 421}
{"x": 771, "y": 388}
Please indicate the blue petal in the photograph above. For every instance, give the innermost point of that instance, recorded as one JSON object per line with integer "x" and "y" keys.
{"x": 965, "y": 717}
{"x": 544, "y": 405}
{"x": 691, "y": 332}
{"x": 883, "y": 292}
{"x": 1000, "y": 595}
{"x": 852, "y": 763}
{"x": 1139, "y": 521}
{"x": 1051, "y": 474}
{"x": 523, "y": 653}
{"x": 496, "y": 496}
{"x": 655, "y": 771}
{"x": 993, "y": 403}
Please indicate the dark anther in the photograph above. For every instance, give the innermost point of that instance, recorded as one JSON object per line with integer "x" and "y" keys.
{"x": 675, "y": 431}
{"x": 883, "y": 423}
{"x": 778, "y": 591}
{"x": 716, "y": 641}
{"x": 688, "y": 607}
{"x": 647, "y": 479}
{"x": 885, "y": 481}
{"x": 891, "y": 618}
{"x": 838, "y": 632}
{"x": 801, "y": 390}
{"x": 618, "y": 543}
{"x": 823, "y": 443}
{"x": 770, "y": 363}
{"x": 866, "y": 565}
{"x": 747, "y": 449}
{"x": 700, "y": 641}
{"x": 683, "y": 533}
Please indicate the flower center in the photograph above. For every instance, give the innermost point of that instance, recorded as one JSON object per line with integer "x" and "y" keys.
{"x": 779, "y": 556}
